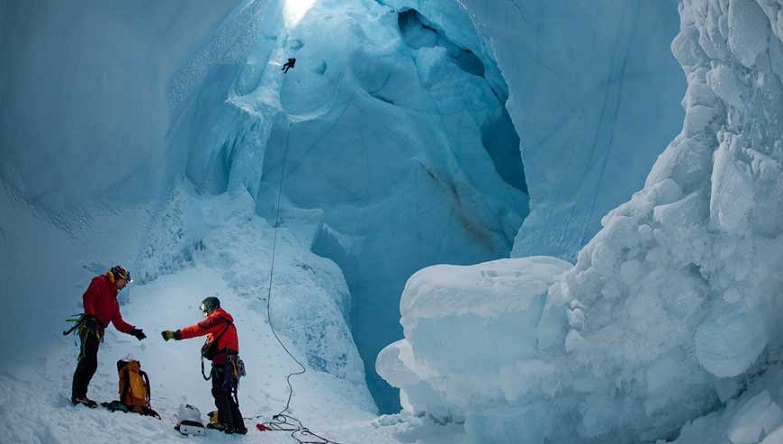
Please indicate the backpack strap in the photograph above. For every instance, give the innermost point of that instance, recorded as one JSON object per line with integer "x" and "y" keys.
{"x": 147, "y": 384}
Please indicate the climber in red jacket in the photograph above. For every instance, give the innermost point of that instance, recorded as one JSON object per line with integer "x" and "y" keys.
{"x": 222, "y": 348}
{"x": 100, "y": 308}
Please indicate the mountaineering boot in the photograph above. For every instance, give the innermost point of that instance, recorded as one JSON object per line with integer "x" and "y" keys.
{"x": 84, "y": 401}
{"x": 241, "y": 431}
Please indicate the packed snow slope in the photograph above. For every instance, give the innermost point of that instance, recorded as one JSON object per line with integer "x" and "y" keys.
{"x": 230, "y": 260}
{"x": 668, "y": 325}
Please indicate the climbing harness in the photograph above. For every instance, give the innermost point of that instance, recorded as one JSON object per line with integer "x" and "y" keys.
{"x": 77, "y": 319}
{"x": 281, "y": 421}
{"x": 234, "y": 369}
{"x": 83, "y": 330}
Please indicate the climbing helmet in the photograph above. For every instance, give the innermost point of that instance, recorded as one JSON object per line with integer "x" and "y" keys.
{"x": 120, "y": 272}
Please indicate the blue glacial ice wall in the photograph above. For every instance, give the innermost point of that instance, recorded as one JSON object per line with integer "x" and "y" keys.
{"x": 594, "y": 96}
{"x": 84, "y": 104}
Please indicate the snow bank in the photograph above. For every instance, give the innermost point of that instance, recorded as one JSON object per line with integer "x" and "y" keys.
{"x": 469, "y": 332}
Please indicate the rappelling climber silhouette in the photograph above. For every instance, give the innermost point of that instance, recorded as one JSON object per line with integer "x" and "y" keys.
{"x": 289, "y": 64}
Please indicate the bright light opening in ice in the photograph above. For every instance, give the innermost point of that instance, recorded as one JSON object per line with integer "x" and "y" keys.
{"x": 294, "y": 10}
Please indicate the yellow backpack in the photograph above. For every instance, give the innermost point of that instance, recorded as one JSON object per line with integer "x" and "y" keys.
{"x": 134, "y": 387}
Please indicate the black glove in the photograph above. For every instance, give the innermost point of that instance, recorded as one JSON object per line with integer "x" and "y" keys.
{"x": 138, "y": 333}
{"x": 90, "y": 323}
{"x": 168, "y": 334}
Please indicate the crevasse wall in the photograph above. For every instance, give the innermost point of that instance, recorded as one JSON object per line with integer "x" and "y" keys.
{"x": 85, "y": 109}
{"x": 594, "y": 94}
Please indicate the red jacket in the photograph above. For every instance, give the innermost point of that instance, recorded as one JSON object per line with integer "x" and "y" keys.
{"x": 100, "y": 300}
{"x": 212, "y": 326}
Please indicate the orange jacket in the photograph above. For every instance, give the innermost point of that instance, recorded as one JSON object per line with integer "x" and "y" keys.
{"x": 100, "y": 301}
{"x": 212, "y": 326}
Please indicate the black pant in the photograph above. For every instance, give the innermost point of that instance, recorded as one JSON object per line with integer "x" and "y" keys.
{"x": 228, "y": 410}
{"x": 88, "y": 363}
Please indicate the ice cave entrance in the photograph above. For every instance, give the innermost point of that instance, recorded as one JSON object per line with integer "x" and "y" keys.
{"x": 295, "y": 10}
